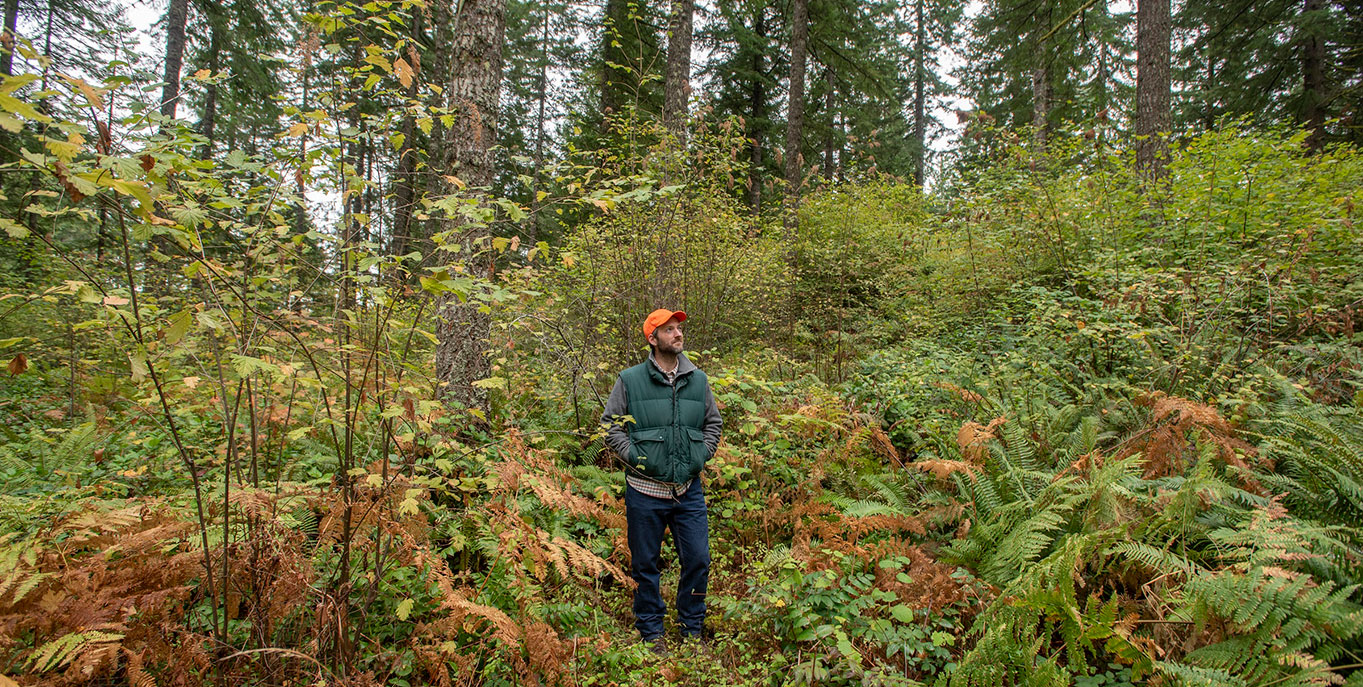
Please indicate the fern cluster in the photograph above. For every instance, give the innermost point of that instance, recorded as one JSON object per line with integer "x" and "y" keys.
{"x": 1259, "y": 589}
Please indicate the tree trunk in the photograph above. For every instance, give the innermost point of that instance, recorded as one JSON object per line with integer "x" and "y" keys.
{"x": 1041, "y": 78}
{"x": 442, "y": 35}
{"x": 1152, "y": 84}
{"x": 677, "y": 90}
{"x": 757, "y": 103}
{"x": 404, "y": 182}
{"x": 475, "y": 81}
{"x": 532, "y": 221}
{"x": 1209, "y": 105}
{"x": 47, "y": 44}
{"x": 404, "y": 177}
{"x": 175, "y": 54}
{"x": 920, "y": 125}
{"x": 828, "y": 104}
{"x": 795, "y": 107}
{"x": 1041, "y": 100}
{"x": 1313, "y": 73}
{"x": 613, "y": 78}
{"x": 210, "y": 120}
{"x": 11, "y": 25}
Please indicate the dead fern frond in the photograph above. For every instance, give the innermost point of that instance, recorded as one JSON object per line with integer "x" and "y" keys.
{"x": 964, "y": 394}
{"x": 1166, "y": 443}
{"x": 973, "y": 439}
{"x": 137, "y": 673}
{"x": 944, "y": 469}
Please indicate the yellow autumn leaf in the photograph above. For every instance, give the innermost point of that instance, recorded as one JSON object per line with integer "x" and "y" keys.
{"x": 404, "y": 72}
{"x": 92, "y": 96}
{"x": 298, "y": 129}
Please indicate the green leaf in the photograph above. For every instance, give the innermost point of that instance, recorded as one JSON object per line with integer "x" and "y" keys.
{"x": 179, "y": 326}
{"x": 902, "y": 613}
{"x": 404, "y": 609}
{"x": 208, "y": 320}
{"x": 246, "y": 365}
{"x": 14, "y": 229}
{"x": 13, "y": 105}
{"x": 138, "y": 360}
{"x": 12, "y": 83}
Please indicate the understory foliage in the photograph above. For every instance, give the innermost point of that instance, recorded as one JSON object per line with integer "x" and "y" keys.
{"x": 1046, "y": 425}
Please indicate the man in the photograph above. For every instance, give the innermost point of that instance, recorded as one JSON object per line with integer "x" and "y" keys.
{"x": 664, "y": 424}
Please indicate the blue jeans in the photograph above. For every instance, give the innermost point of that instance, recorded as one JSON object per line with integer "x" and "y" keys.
{"x": 647, "y": 518}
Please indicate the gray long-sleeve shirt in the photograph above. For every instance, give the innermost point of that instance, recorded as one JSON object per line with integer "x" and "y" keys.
{"x": 617, "y": 406}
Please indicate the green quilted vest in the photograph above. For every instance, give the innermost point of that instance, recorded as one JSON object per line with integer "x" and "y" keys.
{"x": 668, "y": 444}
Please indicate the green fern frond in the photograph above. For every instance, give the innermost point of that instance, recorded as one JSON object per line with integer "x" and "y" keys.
{"x": 1020, "y": 449}
{"x": 866, "y": 508}
{"x": 1194, "y": 676}
{"x": 1160, "y": 560}
{"x": 20, "y": 472}
{"x": 62, "y": 650}
{"x": 890, "y": 492}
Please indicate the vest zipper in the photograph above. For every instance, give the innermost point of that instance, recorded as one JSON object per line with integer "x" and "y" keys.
{"x": 675, "y": 439}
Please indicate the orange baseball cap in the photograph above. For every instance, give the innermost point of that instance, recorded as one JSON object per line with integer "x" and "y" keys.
{"x": 659, "y": 317}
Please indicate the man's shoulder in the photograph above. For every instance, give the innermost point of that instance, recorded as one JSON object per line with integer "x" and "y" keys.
{"x": 636, "y": 368}
{"x": 635, "y": 371}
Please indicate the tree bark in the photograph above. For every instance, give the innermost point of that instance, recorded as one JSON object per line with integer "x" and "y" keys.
{"x": 829, "y": 102}
{"x": 210, "y": 120}
{"x": 404, "y": 177}
{"x": 1152, "y": 84}
{"x": 795, "y": 106}
{"x": 920, "y": 127}
{"x": 1209, "y": 104}
{"x": 404, "y": 182}
{"x": 532, "y": 221}
{"x": 757, "y": 104}
{"x": 175, "y": 55}
{"x": 47, "y": 43}
{"x": 1041, "y": 77}
{"x": 474, "y": 85}
{"x": 442, "y": 35}
{"x": 1313, "y": 73}
{"x": 677, "y": 90}
{"x": 11, "y": 25}
{"x": 1041, "y": 100}
{"x": 613, "y": 78}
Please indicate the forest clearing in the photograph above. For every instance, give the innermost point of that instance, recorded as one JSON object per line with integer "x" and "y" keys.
{"x": 1035, "y": 329}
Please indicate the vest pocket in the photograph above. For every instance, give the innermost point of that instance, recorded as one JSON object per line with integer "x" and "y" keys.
{"x": 650, "y": 451}
{"x": 700, "y": 452}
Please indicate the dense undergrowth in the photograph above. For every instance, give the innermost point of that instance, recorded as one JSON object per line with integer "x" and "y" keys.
{"x": 1050, "y": 426}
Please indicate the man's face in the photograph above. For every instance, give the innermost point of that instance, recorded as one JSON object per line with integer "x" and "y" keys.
{"x": 668, "y": 337}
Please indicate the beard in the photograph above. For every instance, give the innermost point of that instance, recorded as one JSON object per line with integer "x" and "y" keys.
{"x": 671, "y": 349}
